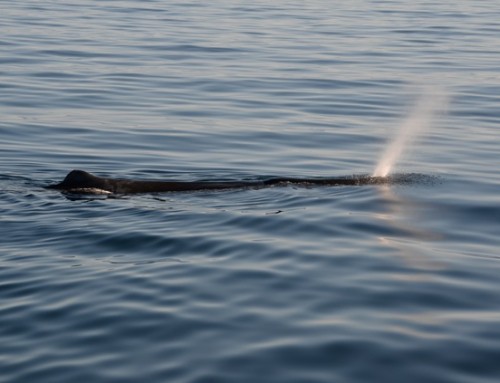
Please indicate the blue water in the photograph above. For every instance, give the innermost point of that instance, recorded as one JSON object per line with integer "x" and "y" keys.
{"x": 291, "y": 284}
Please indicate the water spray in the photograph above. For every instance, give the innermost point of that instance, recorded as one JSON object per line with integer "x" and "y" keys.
{"x": 431, "y": 102}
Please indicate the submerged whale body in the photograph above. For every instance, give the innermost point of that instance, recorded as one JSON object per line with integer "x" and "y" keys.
{"x": 79, "y": 181}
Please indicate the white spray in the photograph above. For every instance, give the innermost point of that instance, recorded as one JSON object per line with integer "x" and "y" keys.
{"x": 431, "y": 102}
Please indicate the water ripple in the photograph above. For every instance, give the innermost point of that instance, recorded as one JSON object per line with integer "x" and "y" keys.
{"x": 353, "y": 284}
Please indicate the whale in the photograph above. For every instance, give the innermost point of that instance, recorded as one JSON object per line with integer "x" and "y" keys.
{"x": 82, "y": 182}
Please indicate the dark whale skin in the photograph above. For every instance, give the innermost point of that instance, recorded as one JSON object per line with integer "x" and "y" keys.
{"x": 80, "y": 181}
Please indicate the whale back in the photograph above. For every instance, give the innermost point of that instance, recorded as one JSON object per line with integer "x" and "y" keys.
{"x": 81, "y": 182}
{"x": 79, "y": 179}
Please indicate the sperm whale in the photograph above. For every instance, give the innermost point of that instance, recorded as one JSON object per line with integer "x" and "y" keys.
{"x": 79, "y": 181}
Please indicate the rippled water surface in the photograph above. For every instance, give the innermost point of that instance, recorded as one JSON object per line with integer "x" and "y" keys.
{"x": 374, "y": 283}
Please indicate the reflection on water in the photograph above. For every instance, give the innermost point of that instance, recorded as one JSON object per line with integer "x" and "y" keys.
{"x": 403, "y": 214}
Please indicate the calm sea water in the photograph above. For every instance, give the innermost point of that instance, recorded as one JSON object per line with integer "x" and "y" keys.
{"x": 286, "y": 284}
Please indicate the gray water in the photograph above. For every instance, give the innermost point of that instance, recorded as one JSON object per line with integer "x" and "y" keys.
{"x": 379, "y": 283}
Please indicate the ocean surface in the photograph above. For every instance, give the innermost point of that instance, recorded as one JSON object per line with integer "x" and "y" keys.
{"x": 292, "y": 284}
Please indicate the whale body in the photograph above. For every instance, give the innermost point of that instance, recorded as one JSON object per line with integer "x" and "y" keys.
{"x": 79, "y": 181}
